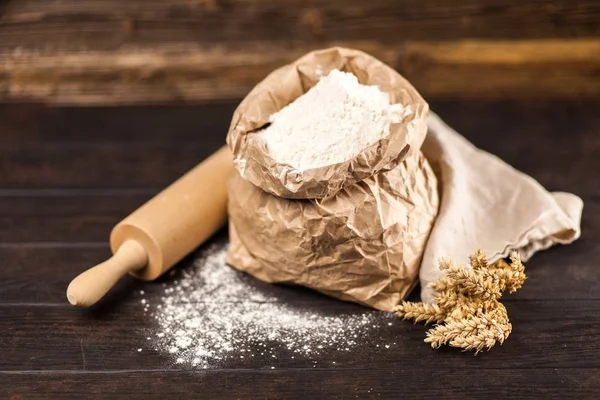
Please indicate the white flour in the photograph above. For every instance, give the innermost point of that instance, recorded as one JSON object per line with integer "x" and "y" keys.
{"x": 332, "y": 122}
{"x": 213, "y": 314}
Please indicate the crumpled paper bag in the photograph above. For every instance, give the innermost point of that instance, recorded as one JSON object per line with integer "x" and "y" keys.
{"x": 289, "y": 82}
{"x": 364, "y": 244}
{"x": 486, "y": 204}
{"x": 355, "y": 230}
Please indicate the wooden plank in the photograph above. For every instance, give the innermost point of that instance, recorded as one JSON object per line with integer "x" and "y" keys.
{"x": 546, "y": 334}
{"x": 554, "y": 142}
{"x": 190, "y": 72}
{"x": 490, "y": 384}
{"x": 59, "y": 262}
{"x": 79, "y": 217}
{"x": 107, "y": 52}
{"x": 66, "y": 230}
{"x": 145, "y": 153}
{"x": 26, "y": 123}
{"x": 494, "y": 384}
{"x": 50, "y": 349}
{"x": 504, "y": 69}
{"x": 168, "y": 73}
{"x": 64, "y": 216}
{"x": 110, "y": 24}
{"x": 102, "y": 164}
{"x": 559, "y": 273}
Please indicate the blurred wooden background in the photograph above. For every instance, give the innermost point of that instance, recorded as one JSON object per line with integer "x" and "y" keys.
{"x": 158, "y": 51}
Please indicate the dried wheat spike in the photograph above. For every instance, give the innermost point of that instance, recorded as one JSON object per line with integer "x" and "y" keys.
{"x": 492, "y": 328}
{"x": 475, "y": 332}
{"x": 513, "y": 274}
{"x": 517, "y": 275}
{"x": 467, "y": 309}
{"x": 445, "y": 263}
{"x": 478, "y": 260}
{"x": 483, "y": 283}
{"x": 420, "y": 312}
{"x": 500, "y": 264}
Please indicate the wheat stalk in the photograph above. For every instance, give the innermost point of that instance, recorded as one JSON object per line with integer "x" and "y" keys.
{"x": 420, "y": 312}
{"x": 467, "y": 309}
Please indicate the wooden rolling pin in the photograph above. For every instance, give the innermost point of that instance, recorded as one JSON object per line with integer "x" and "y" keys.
{"x": 155, "y": 237}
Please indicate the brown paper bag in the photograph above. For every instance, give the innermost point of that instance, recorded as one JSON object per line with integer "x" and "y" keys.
{"x": 354, "y": 230}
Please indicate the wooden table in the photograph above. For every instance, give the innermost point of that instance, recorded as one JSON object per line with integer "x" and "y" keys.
{"x": 68, "y": 174}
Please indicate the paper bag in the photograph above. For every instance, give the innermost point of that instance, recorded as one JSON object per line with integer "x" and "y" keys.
{"x": 355, "y": 230}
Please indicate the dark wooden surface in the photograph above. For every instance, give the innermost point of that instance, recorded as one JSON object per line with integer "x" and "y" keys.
{"x": 153, "y": 51}
{"x": 68, "y": 174}
{"x": 109, "y": 24}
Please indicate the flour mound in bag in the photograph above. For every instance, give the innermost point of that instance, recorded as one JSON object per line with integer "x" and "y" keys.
{"x": 331, "y": 123}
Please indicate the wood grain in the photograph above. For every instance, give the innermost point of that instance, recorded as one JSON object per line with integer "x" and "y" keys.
{"x": 64, "y": 216}
{"x": 151, "y": 51}
{"x": 112, "y": 24}
{"x": 504, "y": 69}
{"x": 27, "y": 123}
{"x": 142, "y": 156}
{"x": 195, "y": 73}
{"x": 86, "y": 217}
{"x": 71, "y": 241}
{"x": 185, "y": 72}
{"x": 75, "y": 165}
{"x": 316, "y": 383}
{"x": 560, "y": 273}
{"x": 554, "y": 142}
{"x": 111, "y": 340}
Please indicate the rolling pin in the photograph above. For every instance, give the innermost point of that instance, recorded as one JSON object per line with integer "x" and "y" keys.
{"x": 160, "y": 233}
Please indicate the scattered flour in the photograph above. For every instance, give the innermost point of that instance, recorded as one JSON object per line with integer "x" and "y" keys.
{"x": 213, "y": 314}
{"x": 331, "y": 123}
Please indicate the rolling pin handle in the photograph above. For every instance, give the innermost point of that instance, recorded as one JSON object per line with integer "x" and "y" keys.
{"x": 91, "y": 285}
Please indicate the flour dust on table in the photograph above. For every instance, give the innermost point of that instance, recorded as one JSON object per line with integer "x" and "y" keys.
{"x": 212, "y": 314}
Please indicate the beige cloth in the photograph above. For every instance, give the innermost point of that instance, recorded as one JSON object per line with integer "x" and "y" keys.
{"x": 486, "y": 204}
